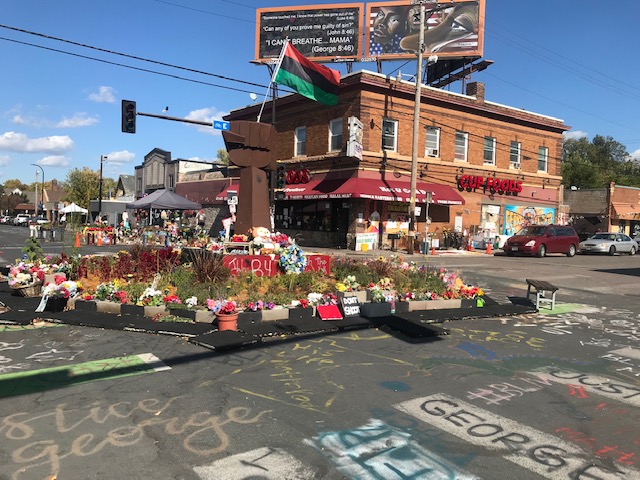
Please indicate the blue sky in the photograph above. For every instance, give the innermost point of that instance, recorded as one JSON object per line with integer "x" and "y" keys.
{"x": 570, "y": 59}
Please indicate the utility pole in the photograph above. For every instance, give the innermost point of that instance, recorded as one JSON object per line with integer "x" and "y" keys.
{"x": 416, "y": 124}
{"x": 102, "y": 159}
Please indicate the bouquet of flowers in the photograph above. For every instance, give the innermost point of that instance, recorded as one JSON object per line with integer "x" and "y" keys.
{"x": 302, "y": 303}
{"x": 171, "y": 299}
{"x": 348, "y": 284}
{"x": 225, "y": 307}
{"x": 25, "y": 273}
{"x": 105, "y": 291}
{"x": 259, "y": 305}
{"x": 191, "y": 302}
{"x": 151, "y": 297}
{"x": 293, "y": 259}
{"x": 64, "y": 289}
{"x": 376, "y": 294}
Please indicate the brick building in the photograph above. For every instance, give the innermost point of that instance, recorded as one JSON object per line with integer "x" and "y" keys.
{"x": 613, "y": 209}
{"x": 487, "y": 168}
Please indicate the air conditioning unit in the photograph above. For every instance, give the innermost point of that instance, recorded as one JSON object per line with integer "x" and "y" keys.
{"x": 515, "y": 165}
{"x": 432, "y": 152}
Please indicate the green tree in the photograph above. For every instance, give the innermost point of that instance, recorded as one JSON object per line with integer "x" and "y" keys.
{"x": 14, "y": 183}
{"x": 222, "y": 157}
{"x": 82, "y": 186}
{"x": 595, "y": 164}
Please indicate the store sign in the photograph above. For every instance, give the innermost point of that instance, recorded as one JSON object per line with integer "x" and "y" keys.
{"x": 494, "y": 185}
{"x": 298, "y": 176}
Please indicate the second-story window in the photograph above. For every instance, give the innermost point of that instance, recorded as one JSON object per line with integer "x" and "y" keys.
{"x": 543, "y": 159}
{"x": 335, "y": 135}
{"x": 489, "y": 151}
{"x": 389, "y": 135}
{"x": 514, "y": 155}
{"x": 432, "y": 148}
{"x": 301, "y": 142}
{"x": 462, "y": 144}
{"x": 171, "y": 182}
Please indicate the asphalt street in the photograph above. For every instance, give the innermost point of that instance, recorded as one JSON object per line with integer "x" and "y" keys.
{"x": 554, "y": 394}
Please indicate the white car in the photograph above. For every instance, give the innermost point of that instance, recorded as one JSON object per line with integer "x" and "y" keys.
{"x": 609, "y": 243}
{"x": 22, "y": 219}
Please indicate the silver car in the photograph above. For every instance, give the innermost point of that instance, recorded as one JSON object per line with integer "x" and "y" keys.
{"x": 610, "y": 243}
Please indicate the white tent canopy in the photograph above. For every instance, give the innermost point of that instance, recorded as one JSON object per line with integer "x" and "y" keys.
{"x": 73, "y": 208}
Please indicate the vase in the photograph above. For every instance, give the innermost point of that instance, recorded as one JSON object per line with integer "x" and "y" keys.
{"x": 227, "y": 321}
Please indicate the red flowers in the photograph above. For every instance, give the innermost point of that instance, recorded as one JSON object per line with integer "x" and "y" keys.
{"x": 304, "y": 303}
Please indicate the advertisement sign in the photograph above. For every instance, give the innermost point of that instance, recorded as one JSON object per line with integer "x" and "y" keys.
{"x": 453, "y": 28}
{"x": 319, "y": 32}
{"x": 518, "y": 216}
{"x": 369, "y": 239}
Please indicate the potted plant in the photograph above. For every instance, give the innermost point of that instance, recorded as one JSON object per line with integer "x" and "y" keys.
{"x": 378, "y": 306}
{"x": 226, "y": 312}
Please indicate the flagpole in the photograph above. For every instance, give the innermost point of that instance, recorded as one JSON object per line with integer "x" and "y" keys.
{"x": 273, "y": 76}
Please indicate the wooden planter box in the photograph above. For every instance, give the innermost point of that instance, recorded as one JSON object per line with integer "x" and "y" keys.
{"x": 85, "y": 306}
{"x": 153, "y": 311}
{"x": 413, "y": 305}
{"x": 131, "y": 309}
{"x": 108, "y": 307}
{"x": 375, "y": 309}
{"x": 301, "y": 314}
{"x": 360, "y": 294}
{"x": 56, "y": 304}
{"x": 275, "y": 314}
{"x": 197, "y": 315}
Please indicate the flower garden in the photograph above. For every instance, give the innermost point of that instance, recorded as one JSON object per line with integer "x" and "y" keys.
{"x": 200, "y": 280}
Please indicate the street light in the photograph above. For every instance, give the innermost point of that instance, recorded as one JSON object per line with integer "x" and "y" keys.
{"x": 102, "y": 159}
{"x": 36, "y": 165}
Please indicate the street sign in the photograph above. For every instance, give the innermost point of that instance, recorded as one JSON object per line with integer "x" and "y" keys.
{"x": 220, "y": 125}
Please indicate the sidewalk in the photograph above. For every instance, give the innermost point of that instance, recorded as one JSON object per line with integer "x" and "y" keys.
{"x": 411, "y": 326}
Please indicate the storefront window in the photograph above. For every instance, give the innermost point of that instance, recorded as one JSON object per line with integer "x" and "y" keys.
{"x": 304, "y": 215}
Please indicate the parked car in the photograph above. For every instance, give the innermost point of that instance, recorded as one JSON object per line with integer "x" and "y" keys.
{"x": 22, "y": 219}
{"x": 610, "y": 243}
{"x": 38, "y": 221}
{"x": 6, "y": 219}
{"x": 542, "y": 239}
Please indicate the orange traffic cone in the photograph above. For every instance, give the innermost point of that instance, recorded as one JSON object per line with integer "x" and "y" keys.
{"x": 489, "y": 249}
{"x": 77, "y": 239}
{"x": 433, "y": 250}
{"x": 471, "y": 247}
{"x": 99, "y": 240}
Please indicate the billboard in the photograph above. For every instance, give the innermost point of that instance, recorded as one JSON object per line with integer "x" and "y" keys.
{"x": 453, "y": 28}
{"x": 319, "y": 32}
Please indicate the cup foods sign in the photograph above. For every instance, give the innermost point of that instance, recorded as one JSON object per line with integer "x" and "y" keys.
{"x": 494, "y": 185}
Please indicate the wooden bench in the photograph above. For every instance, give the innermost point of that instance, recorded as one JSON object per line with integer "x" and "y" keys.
{"x": 541, "y": 288}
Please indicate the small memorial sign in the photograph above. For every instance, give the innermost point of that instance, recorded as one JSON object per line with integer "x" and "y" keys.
{"x": 329, "y": 312}
{"x": 350, "y": 306}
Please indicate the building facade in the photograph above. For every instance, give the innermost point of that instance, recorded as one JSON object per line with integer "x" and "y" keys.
{"x": 483, "y": 168}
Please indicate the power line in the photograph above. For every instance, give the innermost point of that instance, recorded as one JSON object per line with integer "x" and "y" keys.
{"x": 209, "y": 13}
{"x": 177, "y": 77}
{"x": 142, "y": 59}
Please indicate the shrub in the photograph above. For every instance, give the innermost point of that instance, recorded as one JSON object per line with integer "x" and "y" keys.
{"x": 208, "y": 267}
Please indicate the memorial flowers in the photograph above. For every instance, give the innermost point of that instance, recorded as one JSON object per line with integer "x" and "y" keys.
{"x": 225, "y": 307}
{"x": 292, "y": 259}
{"x": 151, "y": 298}
{"x": 259, "y": 305}
{"x": 64, "y": 289}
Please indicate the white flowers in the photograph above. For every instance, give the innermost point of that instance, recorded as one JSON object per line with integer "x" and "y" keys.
{"x": 191, "y": 301}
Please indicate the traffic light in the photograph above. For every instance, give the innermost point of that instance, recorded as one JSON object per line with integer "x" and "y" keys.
{"x": 128, "y": 116}
{"x": 281, "y": 176}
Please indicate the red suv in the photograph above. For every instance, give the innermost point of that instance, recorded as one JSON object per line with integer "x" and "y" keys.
{"x": 542, "y": 239}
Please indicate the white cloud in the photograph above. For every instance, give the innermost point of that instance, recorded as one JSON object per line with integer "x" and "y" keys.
{"x": 53, "y": 161}
{"x": 206, "y": 115}
{"x": 198, "y": 159}
{"x": 4, "y": 160}
{"x": 29, "y": 121}
{"x": 78, "y": 120}
{"x": 120, "y": 158}
{"x": 19, "y": 142}
{"x": 635, "y": 155}
{"x": 574, "y": 134}
{"x": 103, "y": 95}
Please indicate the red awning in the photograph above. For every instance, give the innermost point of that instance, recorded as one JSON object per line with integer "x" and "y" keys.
{"x": 223, "y": 194}
{"x": 390, "y": 191}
